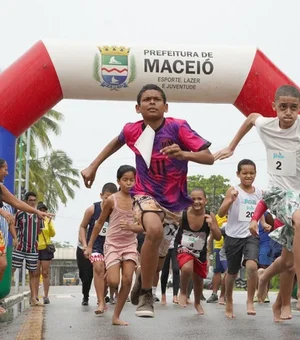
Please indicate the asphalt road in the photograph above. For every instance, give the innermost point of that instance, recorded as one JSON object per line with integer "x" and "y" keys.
{"x": 66, "y": 319}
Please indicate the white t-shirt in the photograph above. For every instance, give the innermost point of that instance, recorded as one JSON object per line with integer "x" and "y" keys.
{"x": 283, "y": 152}
{"x": 241, "y": 212}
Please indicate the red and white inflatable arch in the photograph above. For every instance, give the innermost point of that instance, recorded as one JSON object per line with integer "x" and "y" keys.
{"x": 51, "y": 71}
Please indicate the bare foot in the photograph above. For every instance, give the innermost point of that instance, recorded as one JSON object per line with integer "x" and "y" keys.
{"x": 199, "y": 308}
{"x": 118, "y": 322}
{"x": 250, "y": 308}
{"x": 222, "y": 300}
{"x": 276, "y": 311}
{"x": 229, "y": 310}
{"x": 286, "y": 313}
{"x": 175, "y": 300}
{"x": 182, "y": 300}
{"x": 262, "y": 290}
{"x": 163, "y": 299}
{"x": 100, "y": 310}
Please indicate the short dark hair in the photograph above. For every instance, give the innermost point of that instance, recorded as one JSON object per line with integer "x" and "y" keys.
{"x": 123, "y": 169}
{"x": 245, "y": 162}
{"x": 109, "y": 187}
{"x": 2, "y": 162}
{"x": 151, "y": 87}
{"x": 29, "y": 193}
{"x": 199, "y": 189}
{"x": 288, "y": 91}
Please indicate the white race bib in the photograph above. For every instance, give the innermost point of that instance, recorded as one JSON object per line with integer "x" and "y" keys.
{"x": 281, "y": 163}
{"x": 246, "y": 212}
{"x": 104, "y": 229}
{"x": 192, "y": 242}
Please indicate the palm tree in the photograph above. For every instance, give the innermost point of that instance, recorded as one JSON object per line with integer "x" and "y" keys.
{"x": 52, "y": 176}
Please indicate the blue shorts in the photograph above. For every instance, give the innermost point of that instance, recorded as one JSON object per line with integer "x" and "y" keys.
{"x": 263, "y": 256}
{"x": 274, "y": 250}
{"x": 219, "y": 266}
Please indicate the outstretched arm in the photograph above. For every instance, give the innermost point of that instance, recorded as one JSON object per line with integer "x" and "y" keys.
{"x": 89, "y": 173}
{"x": 243, "y": 130}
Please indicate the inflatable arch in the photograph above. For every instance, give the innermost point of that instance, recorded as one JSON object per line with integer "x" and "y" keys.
{"x": 53, "y": 70}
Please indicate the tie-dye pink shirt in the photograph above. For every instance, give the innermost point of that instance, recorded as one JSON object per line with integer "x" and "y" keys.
{"x": 166, "y": 179}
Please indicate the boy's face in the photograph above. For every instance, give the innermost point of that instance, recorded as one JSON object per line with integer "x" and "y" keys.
{"x": 247, "y": 175}
{"x": 287, "y": 109}
{"x": 199, "y": 200}
{"x": 152, "y": 106}
{"x": 105, "y": 196}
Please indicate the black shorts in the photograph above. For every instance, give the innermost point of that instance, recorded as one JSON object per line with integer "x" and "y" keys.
{"x": 238, "y": 249}
{"x": 45, "y": 255}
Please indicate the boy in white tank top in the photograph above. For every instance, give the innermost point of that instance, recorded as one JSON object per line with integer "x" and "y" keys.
{"x": 281, "y": 137}
{"x": 239, "y": 203}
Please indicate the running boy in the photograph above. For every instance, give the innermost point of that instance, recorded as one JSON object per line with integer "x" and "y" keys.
{"x": 120, "y": 251}
{"x": 196, "y": 226}
{"x": 280, "y": 136}
{"x": 239, "y": 203}
{"x": 161, "y": 189}
{"x": 91, "y": 215}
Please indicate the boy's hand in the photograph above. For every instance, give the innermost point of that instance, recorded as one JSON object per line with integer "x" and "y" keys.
{"x": 88, "y": 176}
{"x": 234, "y": 195}
{"x": 88, "y": 252}
{"x": 8, "y": 216}
{"x": 173, "y": 151}
{"x": 223, "y": 154}
{"x": 208, "y": 219}
{"x": 253, "y": 227}
{"x": 15, "y": 243}
{"x": 266, "y": 227}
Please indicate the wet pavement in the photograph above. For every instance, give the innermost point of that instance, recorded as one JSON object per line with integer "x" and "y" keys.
{"x": 66, "y": 319}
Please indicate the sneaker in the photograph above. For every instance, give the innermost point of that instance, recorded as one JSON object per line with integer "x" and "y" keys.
{"x": 112, "y": 301}
{"x": 145, "y": 307}
{"x": 267, "y": 300}
{"x": 85, "y": 302}
{"x": 156, "y": 299}
{"x": 212, "y": 298}
{"x": 136, "y": 289}
{"x": 106, "y": 299}
{"x": 46, "y": 301}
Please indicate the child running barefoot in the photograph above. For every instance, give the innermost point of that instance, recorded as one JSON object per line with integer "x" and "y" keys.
{"x": 120, "y": 249}
{"x": 196, "y": 226}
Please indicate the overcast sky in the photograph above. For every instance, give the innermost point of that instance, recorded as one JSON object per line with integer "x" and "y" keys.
{"x": 271, "y": 25}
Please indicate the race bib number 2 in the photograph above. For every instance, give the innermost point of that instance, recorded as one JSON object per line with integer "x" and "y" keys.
{"x": 281, "y": 163}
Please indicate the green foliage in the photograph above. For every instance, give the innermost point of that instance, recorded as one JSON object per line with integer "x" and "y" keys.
{"x": 52, "y": 177}
{"x": 214, "y": 186}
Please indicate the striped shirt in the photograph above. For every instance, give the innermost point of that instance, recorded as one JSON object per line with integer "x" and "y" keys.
{"x": 28, "y": 227}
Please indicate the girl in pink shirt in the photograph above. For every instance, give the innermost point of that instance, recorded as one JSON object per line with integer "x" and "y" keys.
{"x": 120, "y": 249}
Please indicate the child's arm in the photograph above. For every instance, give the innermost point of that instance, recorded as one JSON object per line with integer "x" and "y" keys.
{"x": 260, "y": 209}
{"x": 84, "y": 224}
{"x": 213, "y": 225}
{"x": 106, "y": 211}
{"x": 13, "y": 233}
{"x": 230, "y": 197}
{"x": 243, "y": 130}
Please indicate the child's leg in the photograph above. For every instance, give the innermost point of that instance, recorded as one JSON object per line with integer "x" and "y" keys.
{"x": 282, "y": 263}
{"x": 128, "y": 268}
{"x": 277, "y": 308}
{"x": 296, "y": 250}
{"x": 223, "y": 286}
{"x": 187, "y": 270}
{"x": 99, "y": 270}
{"x": 164, "y": 277}
{"x": 285, "y": 291}
{"x": 229, "y": 283}
{"x": 3, "y": 265}
{"x": 176, "y": 275}
{"x": 251, "y": 268}
{"x": 198, "y": 290}
{"x": 113, "y": 276}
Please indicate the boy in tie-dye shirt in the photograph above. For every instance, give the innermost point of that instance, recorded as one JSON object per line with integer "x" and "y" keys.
{"x": 160, "y": 192}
